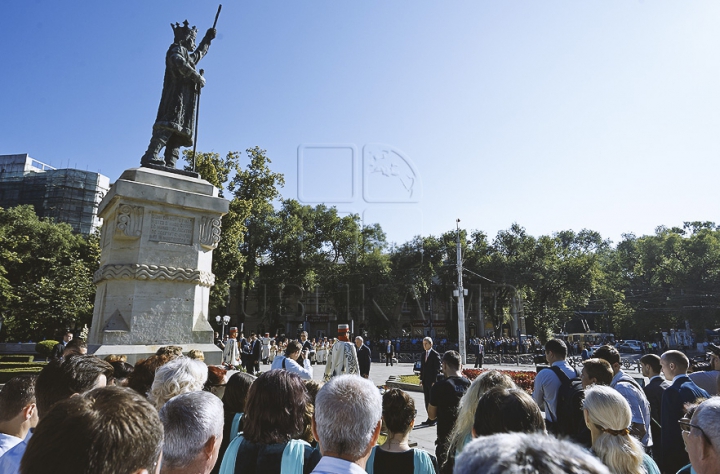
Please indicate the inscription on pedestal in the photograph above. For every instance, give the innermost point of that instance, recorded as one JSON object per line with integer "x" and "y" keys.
{"x": 171, "y": 229}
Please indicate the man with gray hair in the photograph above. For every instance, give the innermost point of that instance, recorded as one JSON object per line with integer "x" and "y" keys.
{"x": 702, "y": 437}
{"x": 516, "y": 453}
{"x": 193, "y": 424}
{"x": 347, "y": 422}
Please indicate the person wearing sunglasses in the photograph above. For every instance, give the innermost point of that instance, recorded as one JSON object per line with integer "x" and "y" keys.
{"x": 701, "y": 433}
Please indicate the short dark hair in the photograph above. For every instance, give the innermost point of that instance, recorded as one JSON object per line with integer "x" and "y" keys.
{"x": 76, "y": 343}
{"x": 452, "y": 359}
{"x": 503, "y": 410}
{"x": 143, "y": 375}
{"x": 653, "y": 360}
{"x": 677, "y": 358}
{"x": 275, "y": 407}
{"x": 110, "y": 429}
{"x": 557, "y": 347}
{"x": 236, "y": 391}
{"x": 121, "y": 370}
{"x": 398, "y": 410}
{"x": 17, "y": 393}
{"x": 62, "y": 379}
{"x": 608, "y": 353}
{"x": 292, "y": 347}
{"x": 599, "y": 369}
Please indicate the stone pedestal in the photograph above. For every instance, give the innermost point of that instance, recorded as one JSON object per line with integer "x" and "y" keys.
{"x": 153, "y": 284}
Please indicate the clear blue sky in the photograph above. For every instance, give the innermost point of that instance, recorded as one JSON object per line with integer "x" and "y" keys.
{"x": 552, "y": 114}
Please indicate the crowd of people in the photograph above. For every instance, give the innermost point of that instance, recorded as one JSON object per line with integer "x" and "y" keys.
{"x": 172, "y": 413}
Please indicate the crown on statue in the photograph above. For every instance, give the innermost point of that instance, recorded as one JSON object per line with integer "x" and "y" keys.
{"x": 183, "y": 32}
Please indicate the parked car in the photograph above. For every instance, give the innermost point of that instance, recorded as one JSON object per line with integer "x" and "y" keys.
{"x": 630, "y": 347}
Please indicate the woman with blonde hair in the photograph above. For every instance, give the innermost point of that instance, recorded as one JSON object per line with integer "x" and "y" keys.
{"x": 608, "y": 416}
{"x": 462, "y": 431}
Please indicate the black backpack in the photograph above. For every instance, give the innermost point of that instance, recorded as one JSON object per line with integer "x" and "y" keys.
{"x": 570, "y": 420}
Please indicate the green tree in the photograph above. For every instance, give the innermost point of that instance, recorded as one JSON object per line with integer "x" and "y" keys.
{"x": 47, "y": 272}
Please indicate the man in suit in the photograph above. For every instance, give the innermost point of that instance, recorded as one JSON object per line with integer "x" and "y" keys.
{"x": 389, "y": 353}
{"x": 683, "y": 390}
{"x": 363, "y": 355}
{"x": 479, "y": 353}
{"x": 429, "y": 368}
{"x": 650, "y": 365}
{"x": 59, "y": 348}
{"x": 255, "y": 351}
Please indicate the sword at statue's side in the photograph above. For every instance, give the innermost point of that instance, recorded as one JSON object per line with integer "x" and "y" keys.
{"x": 197, "y": 109}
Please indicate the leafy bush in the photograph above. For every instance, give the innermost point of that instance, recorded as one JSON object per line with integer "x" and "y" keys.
{"x": 7, "y": 374}
{"x": 44, "y": 348}
{"x": 16, "y": 358}
{"x": 20, "y": 365}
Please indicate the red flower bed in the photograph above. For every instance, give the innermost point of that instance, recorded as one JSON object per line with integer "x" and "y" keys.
{"x": 523, "y": 379}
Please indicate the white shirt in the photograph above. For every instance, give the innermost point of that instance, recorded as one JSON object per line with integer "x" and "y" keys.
{"x": 10, "y": 461}
{"x": 7, "y": 442}
{"x": 305, "y": 372}
{"x": 328, "y": 465}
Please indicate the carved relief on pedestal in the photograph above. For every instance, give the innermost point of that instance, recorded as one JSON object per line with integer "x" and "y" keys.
{"x": 128, "y": 224}
{"x": 136, "y": 271}
{"x": 209, "y": 232}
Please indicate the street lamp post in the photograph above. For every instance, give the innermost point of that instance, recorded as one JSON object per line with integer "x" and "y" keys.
{"x": 224, "y": 320}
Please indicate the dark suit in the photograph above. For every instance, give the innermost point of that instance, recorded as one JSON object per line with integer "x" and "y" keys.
{"x": 682, "y": 391}
{"x": 428, "y": 372}
{"x": 389, "y": 354}
{"x": 654, "y": 391}
{"x": 255, "y": 354}
{"x": 363, "y": 355}
{"x": 57, "y": 351}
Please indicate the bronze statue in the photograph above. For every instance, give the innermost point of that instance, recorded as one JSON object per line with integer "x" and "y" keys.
{"x": 175, "y": 121}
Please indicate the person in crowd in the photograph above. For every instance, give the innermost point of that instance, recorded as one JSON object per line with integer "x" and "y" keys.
{"x": 196, "y": 354}
{"x": 121, "y": 373}
{"x": 523, "y": 453}
{"x": 395, "y": 456}
{"x": 217, "y": 340}
{"x": 254, "y": 353}
{"x": 608, "y": 415}
{"x": 289, "y": 361}
{"x": 547, "y": 383}
{"x": 59, "y": 348}
{"x": 479, "y": 353}
{"x": 681, "y": 391}
{"x": 265, "y": 353}
{"x": 444, "y": 401}
{"x": 231, "y": 353}
{"x": 272, "y": 424}
{"x": 171, "y": 351}
{"x": 429, "y": 368}
{"x": 181, "y": 375}
{"x": 461, "y": 433}
{"x": 143, "y": 374}
{"x": 77, "y": 346}
{"x": 347, "y": 423}
{"x": 18, "y": 411}
{"x": 312, "y": 387}
{"x": 342, "y": 357}
{"x": 363, "y": 356}
{"x": 654, "y": 389}
{"x": 234, "y": 399}
{"x": 585, "y": 354}
{"x": 633, "y": 393}
{"x": 109, "y": 430}
{"x": 193, "y": 427}
{"x": 596, "y": 371}
{"x": 507, "y": 410}
{"x": 216, "y": 381}
{"x": 307, "y": 345}
{"x": 701, "y": 433}
{"x": 115, "y": 358}
{"x": 708, "y": 379}
{"x": 389, "y": 353}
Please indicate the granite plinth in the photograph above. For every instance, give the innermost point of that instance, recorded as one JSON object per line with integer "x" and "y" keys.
{"x": 155, "y": 275}
{"x": 137, "y": 352}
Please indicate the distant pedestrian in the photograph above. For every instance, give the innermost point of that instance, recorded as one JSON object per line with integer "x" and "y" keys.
{"x": 363, "y": 356}
{"x": 389, "y": 353}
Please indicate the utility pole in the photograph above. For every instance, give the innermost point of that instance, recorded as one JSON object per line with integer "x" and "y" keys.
{"x": 460, "y": 293}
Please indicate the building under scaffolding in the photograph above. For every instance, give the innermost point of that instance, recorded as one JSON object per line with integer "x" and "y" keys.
{"x": 66, "y": 195}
